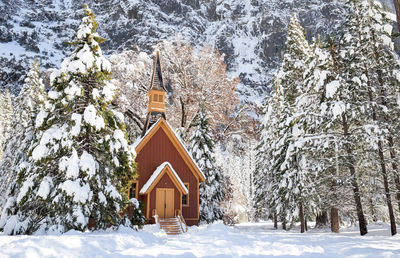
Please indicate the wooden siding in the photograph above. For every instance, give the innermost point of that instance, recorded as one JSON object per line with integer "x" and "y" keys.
{"x": 158, "y": 150}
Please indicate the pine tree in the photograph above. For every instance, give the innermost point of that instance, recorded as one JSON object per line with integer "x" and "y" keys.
{"x": 346, "y": 107}
{"x": 287, "y": 171}
{"x": 202, "y": 149}
{"x": 81, "y": 159}
{"x": 320, "y": 141}
{"x": 6, "y": 114}
{"x": 262, "y": 178}
{"x": 382, "y": 91}
{"x": 27, "y": 105}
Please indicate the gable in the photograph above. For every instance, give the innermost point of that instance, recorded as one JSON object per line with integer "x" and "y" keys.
{"x": 164, "y": 168}
{"x": 178, "y": 144}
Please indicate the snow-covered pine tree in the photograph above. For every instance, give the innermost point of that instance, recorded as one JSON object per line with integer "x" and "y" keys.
{"x": 381, "y": 70}
{"x": 320, "y": 136}
{"x": 27, "y": 105}
{"x": 262, "y": 179}
{"x": 387, "y": 69}
{"x": 6, "y": 114}
{"x": 286, "y": 170}
{"x": 82, "y": 161}
{"x": 202, "y": 149}
{"x": 345, "y": 104}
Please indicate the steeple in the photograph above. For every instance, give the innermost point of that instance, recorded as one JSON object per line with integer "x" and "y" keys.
{"x": 157, "y": 92}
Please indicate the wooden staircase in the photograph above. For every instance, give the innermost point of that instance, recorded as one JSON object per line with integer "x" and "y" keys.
{"x": 171, "y": 226}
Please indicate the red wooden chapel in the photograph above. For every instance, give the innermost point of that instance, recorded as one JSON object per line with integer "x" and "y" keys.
{"x": 168, "y": 181}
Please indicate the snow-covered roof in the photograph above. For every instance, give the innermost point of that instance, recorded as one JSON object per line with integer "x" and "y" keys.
{"x": 139, "y": 140}
{"x": 184, "y": 146}
{"x": 157, "y": 173}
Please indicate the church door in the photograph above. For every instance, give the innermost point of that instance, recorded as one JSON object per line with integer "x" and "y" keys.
{"x": 165, "y": 202}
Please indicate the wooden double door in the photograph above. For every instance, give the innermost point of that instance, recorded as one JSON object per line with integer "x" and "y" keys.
{"x": 165, "y": 202}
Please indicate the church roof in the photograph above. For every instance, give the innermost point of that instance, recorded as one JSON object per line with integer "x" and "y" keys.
{"x": 177, "y": 142}
{"x": 165, "y": 167}
{"x": 157, "y": 80}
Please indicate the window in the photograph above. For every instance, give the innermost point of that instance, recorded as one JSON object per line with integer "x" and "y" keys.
{"x": 160, "y": 98}
{"x": 155, "y": 97}
{"x": 185, "y": 197}
{"x": 133, "y": 190}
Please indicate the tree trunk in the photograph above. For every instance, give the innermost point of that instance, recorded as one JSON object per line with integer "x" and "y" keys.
{"x": 397, "y": 7}
{"x": 387, "y": 191}
{"x": 394, "y": 166}
{"x": 284, "y": 225}
{"x": 380, "y": 153}
{"x": 372, "y": 210}
{"x": 350, "y": 164}
{"x": 301, "y": 216}
{"x": 380, "y": 145}
{"x": 305, "y": 224}
{"x": 321, "y": 220}
{"x": 183, "y": 114}
{"x": 275, "y": 221}
{"x": 335, "y": 220}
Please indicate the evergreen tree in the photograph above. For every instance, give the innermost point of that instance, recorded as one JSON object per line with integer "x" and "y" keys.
{"x": 262, "y": 178}
{"x": 202, "y": 149}
{"x": 6, "y": 114}
{"x": 27, "y": 105}
{"x": 383, "y": 90}
{"x": 287, "y": 171}
{"x": 81, "y": 159}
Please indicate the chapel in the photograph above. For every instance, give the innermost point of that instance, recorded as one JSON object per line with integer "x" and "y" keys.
{"x": 169, "y": 178}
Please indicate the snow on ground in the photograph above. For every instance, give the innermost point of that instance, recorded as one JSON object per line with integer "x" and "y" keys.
{"x": 216, "y": 240}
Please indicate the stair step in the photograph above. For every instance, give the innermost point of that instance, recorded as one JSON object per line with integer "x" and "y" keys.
{"x": 171, "y": 226}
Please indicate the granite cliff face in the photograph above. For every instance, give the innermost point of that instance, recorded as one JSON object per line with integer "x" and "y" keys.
{"x": 251, "y": 33}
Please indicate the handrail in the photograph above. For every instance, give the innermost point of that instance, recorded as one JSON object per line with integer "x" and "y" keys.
{"x": 155, "y": 216}
{"x": 178, "y": 212}
{"x": 182, "y": 222}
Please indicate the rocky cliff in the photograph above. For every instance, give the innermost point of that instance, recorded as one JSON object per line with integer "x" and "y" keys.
{"x": 251, "y": 33}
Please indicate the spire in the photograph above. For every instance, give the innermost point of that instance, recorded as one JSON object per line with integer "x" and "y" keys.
{"x": 157, "y": 92}
{"x": 157, "y": 81}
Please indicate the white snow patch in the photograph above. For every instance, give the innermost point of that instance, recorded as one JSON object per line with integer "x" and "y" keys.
{"x": 44, "y": 188}
{"x": 75, "y": 189}
{"x": 92, "y": 118}
{"x": 88, "y": 163}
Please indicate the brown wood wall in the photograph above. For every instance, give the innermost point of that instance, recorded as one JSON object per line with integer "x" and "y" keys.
{"x": 158, "y": 150}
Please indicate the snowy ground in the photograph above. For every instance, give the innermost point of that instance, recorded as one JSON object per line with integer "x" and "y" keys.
{"x": 217, "y": 240}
